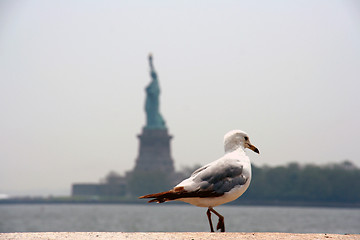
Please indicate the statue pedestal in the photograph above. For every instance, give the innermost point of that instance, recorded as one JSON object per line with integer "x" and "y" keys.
{"x": 154, "y": 151}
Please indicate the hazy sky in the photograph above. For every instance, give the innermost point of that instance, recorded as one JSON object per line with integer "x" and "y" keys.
{"x": 73, "y": 73}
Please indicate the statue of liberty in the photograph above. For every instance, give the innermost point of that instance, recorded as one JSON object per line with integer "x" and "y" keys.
{"x": 154, "y": 119}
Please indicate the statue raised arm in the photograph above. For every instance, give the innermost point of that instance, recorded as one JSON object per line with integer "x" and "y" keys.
{"x": 154, "y": 120}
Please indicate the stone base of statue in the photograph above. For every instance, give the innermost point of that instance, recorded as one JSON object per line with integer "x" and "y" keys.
{"x": 154, "y": 168}
{"x": 154, "y": 151}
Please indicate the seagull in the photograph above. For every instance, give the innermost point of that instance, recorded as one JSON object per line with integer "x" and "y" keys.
{"x": 216, "y": 183}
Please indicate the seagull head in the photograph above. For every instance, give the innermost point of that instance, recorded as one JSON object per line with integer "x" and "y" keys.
{"x": 237, "y": 138}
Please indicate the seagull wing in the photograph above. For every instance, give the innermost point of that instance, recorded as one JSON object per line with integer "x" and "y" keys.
{"x": 218, "y": 177}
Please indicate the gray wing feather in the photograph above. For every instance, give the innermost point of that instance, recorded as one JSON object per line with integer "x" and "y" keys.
{"x": 220, "y": 180}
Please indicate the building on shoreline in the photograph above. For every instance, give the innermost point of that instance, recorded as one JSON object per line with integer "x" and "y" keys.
{"x": 154, "y": 167}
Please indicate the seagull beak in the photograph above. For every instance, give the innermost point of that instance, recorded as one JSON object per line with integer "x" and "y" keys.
{"x": 252, "y": 147}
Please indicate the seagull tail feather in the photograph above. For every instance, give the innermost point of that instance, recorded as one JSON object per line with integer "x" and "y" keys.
{"x": 161, "y": 197}
{"x": 180, "y": 192}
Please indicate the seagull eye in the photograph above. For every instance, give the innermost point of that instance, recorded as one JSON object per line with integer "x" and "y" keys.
{"x": 246, "y": 138}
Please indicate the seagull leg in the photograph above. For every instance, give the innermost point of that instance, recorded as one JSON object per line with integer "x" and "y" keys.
{"x": 208, "y": 213}
{"x": 221, "y": 223}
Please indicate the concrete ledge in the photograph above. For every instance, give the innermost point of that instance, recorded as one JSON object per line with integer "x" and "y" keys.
{"x": 170, "y": 235}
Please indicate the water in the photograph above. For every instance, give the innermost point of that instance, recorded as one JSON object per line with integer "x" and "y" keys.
{"x": 170, "y": 218}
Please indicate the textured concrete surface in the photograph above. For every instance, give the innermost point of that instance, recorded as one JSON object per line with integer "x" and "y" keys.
{"x": 172, "y": 236}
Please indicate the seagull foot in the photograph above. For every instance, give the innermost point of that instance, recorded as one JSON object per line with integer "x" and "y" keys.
{"x": 221, "y": 225}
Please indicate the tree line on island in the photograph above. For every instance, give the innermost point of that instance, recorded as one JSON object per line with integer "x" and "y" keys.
{"x": 336, "y": 183}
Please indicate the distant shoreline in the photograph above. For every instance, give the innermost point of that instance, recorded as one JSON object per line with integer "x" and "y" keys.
{"x": 69, "y": 200}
